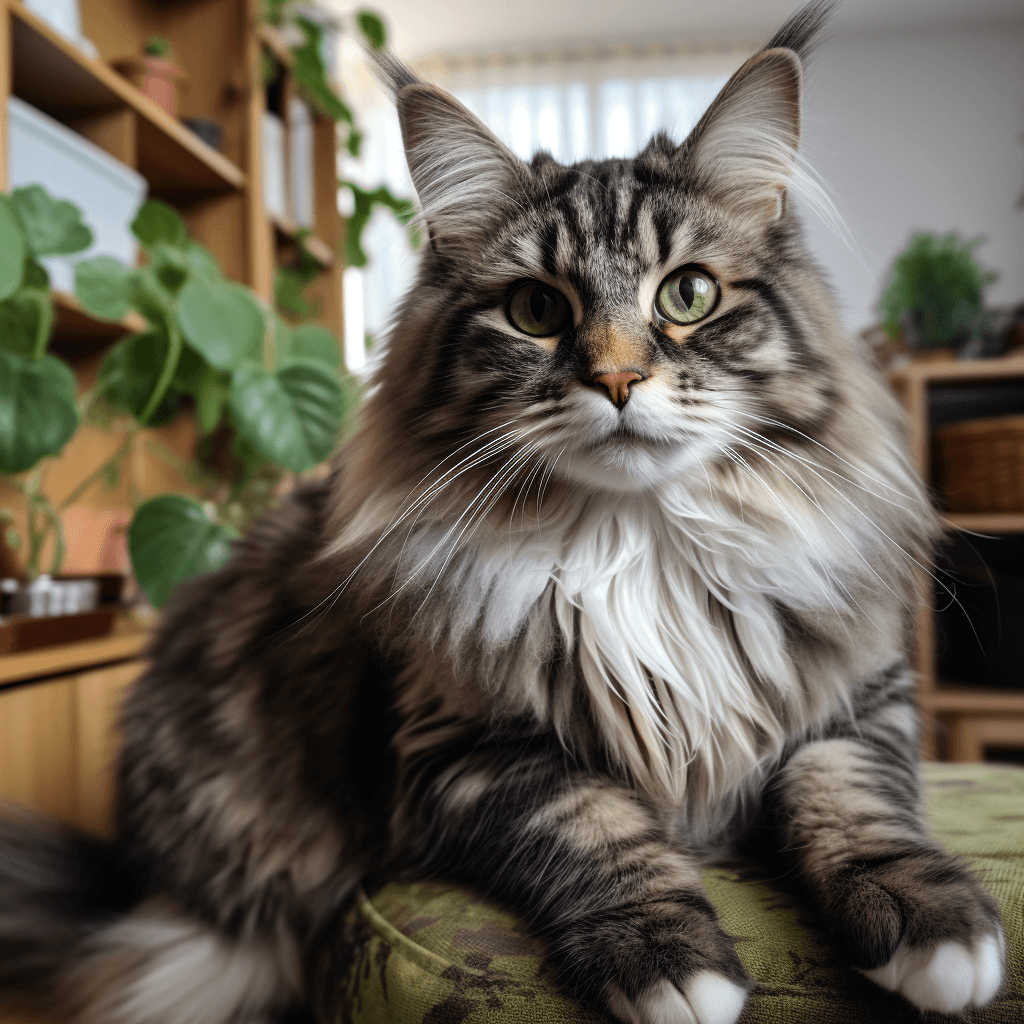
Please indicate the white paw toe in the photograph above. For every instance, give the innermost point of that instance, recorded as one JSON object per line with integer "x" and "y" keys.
{"x": 946, "y": 978}
{"x": 707, "y": 998}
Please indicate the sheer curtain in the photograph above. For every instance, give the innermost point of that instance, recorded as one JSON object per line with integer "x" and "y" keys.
{"x": 576, "y": 105}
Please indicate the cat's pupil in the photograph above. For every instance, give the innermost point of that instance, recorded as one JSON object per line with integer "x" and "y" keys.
{"x": 686, "y": 291}
{"x": 540, "y": 305}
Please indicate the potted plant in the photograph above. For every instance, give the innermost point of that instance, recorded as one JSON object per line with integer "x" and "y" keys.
{"x": 155, "y": 74}
{"x": 201, "y": 354}
{"x": 933, "y": 300}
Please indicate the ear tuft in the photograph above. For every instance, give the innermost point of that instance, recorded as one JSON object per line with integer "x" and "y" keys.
{"x": 465, "y": 177}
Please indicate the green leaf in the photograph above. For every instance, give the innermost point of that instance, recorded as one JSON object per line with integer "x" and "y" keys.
{"x": 202, "y": 263}
{"x": 365, "y": 203}
{"x": 292, "y": 417}
{"x": 13, "y": 250}
{"x": 19, "y": 324}
{"x": 37, "y": 409}
{"x": 222, "y": 322}
{"x": 311, "y": 75}
{"x": 130, "y": 374}
{"x": 36, "y": 275}
{"x": 372, "y": 26}
{"x": 157, "y": 222}
{"x": 311, "y": 341}
{"x": 53, "y": 227}
{"x": 289, "y": 285}
{"x": 211, "y": 399}
{"x": 282, "y": 340}
{"x": 103, "y": 287}
{"x": 172, "y": 539}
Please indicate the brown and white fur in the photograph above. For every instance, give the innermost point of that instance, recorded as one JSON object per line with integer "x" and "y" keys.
{"x": 551, "y": 632}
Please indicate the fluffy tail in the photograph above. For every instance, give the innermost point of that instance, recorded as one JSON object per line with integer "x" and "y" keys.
{"x": 58, "y": 887}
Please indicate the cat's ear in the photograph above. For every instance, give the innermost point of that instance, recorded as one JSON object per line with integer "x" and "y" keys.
{"x": 743, "y": 150}
{"x": 465, "y": 177}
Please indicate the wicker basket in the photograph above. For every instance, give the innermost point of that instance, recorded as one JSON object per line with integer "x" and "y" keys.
{"x": 981, "y": 464}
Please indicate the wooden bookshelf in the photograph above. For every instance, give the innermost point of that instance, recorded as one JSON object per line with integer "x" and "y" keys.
{"x": 57, "y": 705}
{"x": 960, "y": 718}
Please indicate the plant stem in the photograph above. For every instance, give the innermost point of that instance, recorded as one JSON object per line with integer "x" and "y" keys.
{"x": 174, "y": 346}
{"x": 98, "y": 473}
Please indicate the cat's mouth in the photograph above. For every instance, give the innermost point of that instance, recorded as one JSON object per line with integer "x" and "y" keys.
{"x": 627, "y": 438}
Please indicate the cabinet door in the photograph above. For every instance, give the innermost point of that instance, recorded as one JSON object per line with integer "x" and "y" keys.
{"x": 57, "y": 743}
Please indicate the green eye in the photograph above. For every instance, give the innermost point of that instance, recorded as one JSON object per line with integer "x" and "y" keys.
{"x": 687, "y": 295}
{"x": 537, "y": 309}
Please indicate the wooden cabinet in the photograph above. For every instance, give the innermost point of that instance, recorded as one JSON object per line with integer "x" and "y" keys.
{"x": 58, "y": 735}
{"x": 961, "y": 720}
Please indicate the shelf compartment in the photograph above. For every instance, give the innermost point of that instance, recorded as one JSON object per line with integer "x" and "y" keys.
{"x": 1008, "y": 366}
{"x": 951, "y": 698}
{"x": 987, "y": 522}
{"x": 47, "y": 661}
{"x": 73, "y": 322}
{"x": 52, "y": 74}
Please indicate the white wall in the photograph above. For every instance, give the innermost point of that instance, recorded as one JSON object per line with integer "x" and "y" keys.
{"x": 919, "y": 132}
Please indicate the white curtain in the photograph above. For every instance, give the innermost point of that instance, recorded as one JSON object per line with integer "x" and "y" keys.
{"x": 576, "y": 105}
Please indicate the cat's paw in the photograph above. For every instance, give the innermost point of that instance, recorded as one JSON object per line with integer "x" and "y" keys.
{"x": 704, "y": 998}
{"x": 921, "y": 925}
{"x": 949, "y": 977}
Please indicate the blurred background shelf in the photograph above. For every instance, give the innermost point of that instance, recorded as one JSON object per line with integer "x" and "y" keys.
{"x": 55, "y": 76}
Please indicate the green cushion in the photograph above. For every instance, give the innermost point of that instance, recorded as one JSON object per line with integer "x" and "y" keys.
{"x": 434, "y": 953}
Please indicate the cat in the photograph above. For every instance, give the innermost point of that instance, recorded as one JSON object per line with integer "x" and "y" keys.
{"x": 619, "y": 569}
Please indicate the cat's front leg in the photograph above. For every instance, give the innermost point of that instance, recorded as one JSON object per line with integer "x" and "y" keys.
{"x": 910, "y": 915}
{"x": 590, "y": 867}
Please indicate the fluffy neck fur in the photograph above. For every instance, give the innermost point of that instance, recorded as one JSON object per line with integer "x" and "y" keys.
{"x": 705, "y": 620}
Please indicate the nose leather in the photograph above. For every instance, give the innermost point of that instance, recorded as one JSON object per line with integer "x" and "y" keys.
{"x": 617, "y": 385}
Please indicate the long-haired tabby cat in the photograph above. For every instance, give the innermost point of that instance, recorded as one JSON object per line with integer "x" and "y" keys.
{"x": 620, "y": 568}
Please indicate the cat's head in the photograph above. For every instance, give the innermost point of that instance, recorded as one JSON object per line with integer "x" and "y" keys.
{"x": 625, "y": 321}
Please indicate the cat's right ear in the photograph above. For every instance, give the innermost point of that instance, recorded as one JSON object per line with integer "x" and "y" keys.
{"x": 467, "y": 180}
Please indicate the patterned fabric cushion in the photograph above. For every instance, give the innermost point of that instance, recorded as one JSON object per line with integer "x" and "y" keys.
{"x": 434, "y": 953}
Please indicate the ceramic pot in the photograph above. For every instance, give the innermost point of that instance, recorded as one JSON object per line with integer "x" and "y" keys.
{"x": 155, "y": 77}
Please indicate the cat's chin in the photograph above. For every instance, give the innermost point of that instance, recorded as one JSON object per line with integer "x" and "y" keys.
{"x": 625, "y": 468}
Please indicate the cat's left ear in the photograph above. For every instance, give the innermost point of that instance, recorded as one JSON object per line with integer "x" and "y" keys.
{"x": 743, "y": 150}
{"x": 467, "y": 180}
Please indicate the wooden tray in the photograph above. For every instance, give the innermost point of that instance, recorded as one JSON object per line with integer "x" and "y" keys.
{"x": 25, "y": 633}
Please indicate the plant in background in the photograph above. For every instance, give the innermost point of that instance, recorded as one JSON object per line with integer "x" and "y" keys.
{"x": 268, "y": 399}
{"x": 259, "y": 419}
{"x": 38, "y": 412}
{"x": 934, "y": 292}
{"x": 308, "y": 38}
{"x": 157, "y": 46}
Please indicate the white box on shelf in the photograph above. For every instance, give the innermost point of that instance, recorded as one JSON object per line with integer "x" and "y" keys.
{"x": 275, "y": 198}
{"x": 69, "y": 166}
{"x": 300, "y": 153}
{"x": 64, "y": 16}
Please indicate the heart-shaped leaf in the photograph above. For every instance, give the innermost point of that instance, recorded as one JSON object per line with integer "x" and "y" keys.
{"x": 25, "y": 321}
{"x": 37, "y": 409}
{"x": 157, "y": 222}
{"x": 293, "y": 416}
{"x": 130, "y": 373}
{"x": 172, "y": 539}
{"x": 222, "y": 322}
{"x": 53, "y": 227}
{"x": 12, "y": 250}
{"x": 311, "y": 341}
{"x": 103, "y": 287}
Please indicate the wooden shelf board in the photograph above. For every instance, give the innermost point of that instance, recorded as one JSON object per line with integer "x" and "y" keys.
{"x": 287, "y": 232}
{"x": 987, "y": 522}
{"x": 951, "y": 697}
{"x": 275, "y": 43}
{"x": 72, "y": 321}
{"x": 960, "y": 369}
{"x": 48, "y": 661}
{"x": 52, "y": 74}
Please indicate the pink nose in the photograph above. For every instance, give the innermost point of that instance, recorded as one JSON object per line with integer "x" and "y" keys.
{"x": 618, "y": 385}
